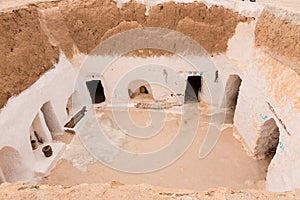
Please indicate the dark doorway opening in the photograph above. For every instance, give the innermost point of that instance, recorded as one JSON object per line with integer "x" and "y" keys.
{"x": 193, "y": 87}
{"x": 268, "y": 140}
{"x": 232, "y": 90}
{"x": 96, "y": 90}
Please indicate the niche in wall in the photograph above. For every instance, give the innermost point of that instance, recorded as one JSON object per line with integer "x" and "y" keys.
{"x": 139, "y": 89}
{"x": 268, "y": 140}
{"x": 39, "y": 131}
{"x": 11, "y": 168}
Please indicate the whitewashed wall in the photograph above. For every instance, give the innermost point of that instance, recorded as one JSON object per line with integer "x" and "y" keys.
{"x": 17, "y": 116}
{"x": 265, "y": 80}
{"x": 165, "y": 75}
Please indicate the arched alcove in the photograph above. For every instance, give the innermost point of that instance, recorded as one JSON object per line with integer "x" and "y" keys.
{"x": 268, "y": 140}
{"x": 10, "y": 165}
{"x": 39, "y": 130}
{"x": 232, "y": 90}
{"x": 139, "y": 89}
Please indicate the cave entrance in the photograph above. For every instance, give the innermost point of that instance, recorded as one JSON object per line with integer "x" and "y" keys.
{"x": 96, "y": 90}
{"x": 232, "y": 90}
{"x": 193, "y": 87}
{"x": 268, "y": 140}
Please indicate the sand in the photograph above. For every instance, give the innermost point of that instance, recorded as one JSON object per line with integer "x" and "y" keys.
{"x": 27, "y": 54}
{"x": 115, "y": 190}
{"x": 227, "y": 166}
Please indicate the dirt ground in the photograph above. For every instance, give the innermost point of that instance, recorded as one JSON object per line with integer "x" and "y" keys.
{"x": 115, "y": 190}
{"x": 226, "y": 166}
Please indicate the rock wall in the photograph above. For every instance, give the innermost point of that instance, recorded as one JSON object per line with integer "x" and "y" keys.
{"x": 88, "y": 19}
{"x": 26, "y": 53}
{"x": 269, "y": 91}
{"x": 278, "y": 33}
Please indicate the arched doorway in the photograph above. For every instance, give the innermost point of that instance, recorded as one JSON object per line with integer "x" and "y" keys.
{"x": 193, "y": 87}
{"x": 268, "y": 140}
{"x": 232, "y": 90}
{"x": 96, "y": 90}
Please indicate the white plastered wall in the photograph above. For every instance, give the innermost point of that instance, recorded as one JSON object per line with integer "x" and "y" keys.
{"x": 265, "y": 80}
{"x": 165, "y": 75}
{"x": 17, "y": 117}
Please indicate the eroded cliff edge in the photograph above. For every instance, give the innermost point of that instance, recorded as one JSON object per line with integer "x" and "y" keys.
{"x": 278, "y": 33}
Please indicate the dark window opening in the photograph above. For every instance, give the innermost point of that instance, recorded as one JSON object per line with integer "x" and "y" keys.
{"x": 193, "y": 87}
{"x": 96, "y": 91}
{"x": 143, "y": 90}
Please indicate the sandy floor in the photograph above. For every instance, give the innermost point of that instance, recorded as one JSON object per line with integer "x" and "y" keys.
{"x": 226, "y": 166}
{"x": 116, "y": 191}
